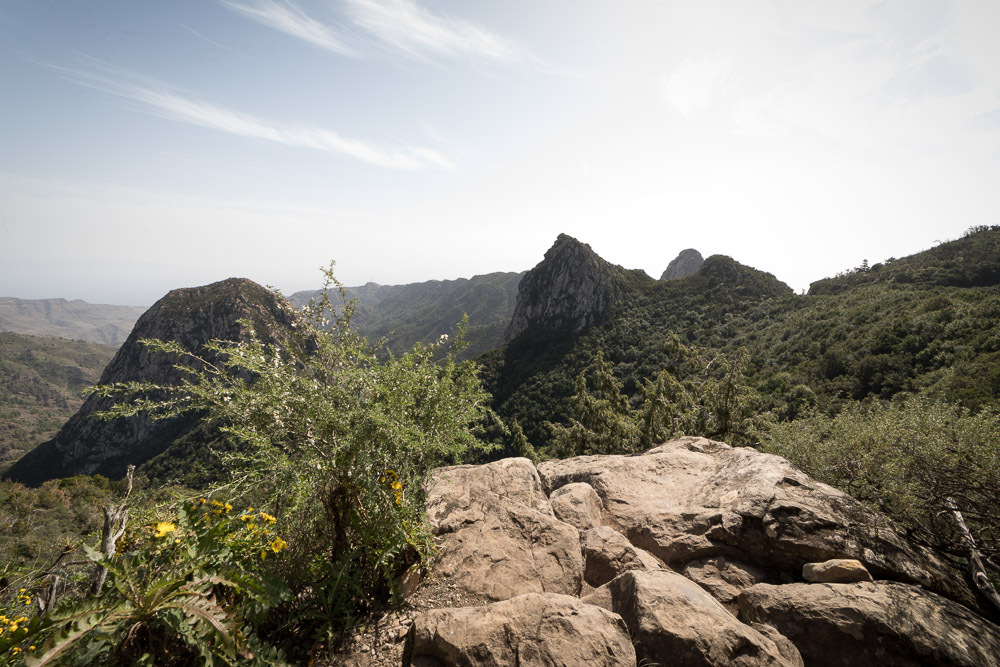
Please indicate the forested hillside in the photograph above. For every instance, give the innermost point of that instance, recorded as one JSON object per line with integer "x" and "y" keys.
{"x": 927, "y": 323}
{"x": 41, "y": 384}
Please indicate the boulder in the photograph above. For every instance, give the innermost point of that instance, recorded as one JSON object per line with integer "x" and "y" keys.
{"x": 527, "y": 630}
{"x": 578, "y": 505}
{"x": 835, "y": 571}
{"x": 694, "y": 498}
{"x": 496, "y": 533}
{"x": 873, "y": 623}
{"x": 675, "y": 622}
{"x": 724, "y": 578}
{"x": 607, "y": 554}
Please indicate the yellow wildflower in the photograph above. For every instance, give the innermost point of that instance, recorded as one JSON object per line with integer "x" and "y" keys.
{"x": 15, "y": 650}
{"x": 277, "y": 544}
{"x": 267, "y": 517}
{"x": 164, "y": 527}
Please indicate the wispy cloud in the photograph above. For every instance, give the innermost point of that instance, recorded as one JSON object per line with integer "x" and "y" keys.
{"x": 399, "y": 27}
{"x": 290, "y": 19}
{"x": 162, "y": 102}
{"x": 412, "y": 30}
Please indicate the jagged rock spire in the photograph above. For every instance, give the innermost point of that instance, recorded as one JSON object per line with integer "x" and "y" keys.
{"x": 568, "y": 290}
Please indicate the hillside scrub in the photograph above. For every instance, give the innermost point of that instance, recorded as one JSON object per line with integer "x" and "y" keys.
{"x": 916, "y": 460}
{"x": 334, "y": 443}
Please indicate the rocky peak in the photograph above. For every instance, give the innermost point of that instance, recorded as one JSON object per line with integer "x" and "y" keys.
{"x": 568, "y": 290}
{"x": 686, "y": 263}
{"x": 722, "y": 273}
{"x": 190, "y": 316}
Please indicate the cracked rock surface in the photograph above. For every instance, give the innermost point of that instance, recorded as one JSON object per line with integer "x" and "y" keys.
{"x": 696, "y": 551}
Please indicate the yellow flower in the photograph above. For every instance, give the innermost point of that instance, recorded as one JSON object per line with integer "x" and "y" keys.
{"x": 277, "y": 544}
{"x": 15, "y": 650}
{"x": 267, "y": 517}
{"x": 164, "y": 527}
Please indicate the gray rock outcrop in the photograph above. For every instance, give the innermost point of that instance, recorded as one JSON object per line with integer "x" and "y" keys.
{"x": 873, "y": 623}
{"x": 497, "y": 535}
{"x": 694, "y": 498}
{"x": 568, "y": 291}
{"x": 528, "y": 630}
{"x": 686, "y": 263}
{"x": 674, "y": 621}
{"x": 697, "y": 549}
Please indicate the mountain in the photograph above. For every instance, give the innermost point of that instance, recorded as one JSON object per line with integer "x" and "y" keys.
{"x": 41, "y": 379}
{"x": 925, "y": 323}
{"x": 192, "y": 317}
{"x": 686, "y": 263}
{"x": 971, "y": 261}
{"x": 569, "y": 290}
{"x": 421, "y": 312}
{"x": 574, "y": 304}
{"x": 75, "y": 320}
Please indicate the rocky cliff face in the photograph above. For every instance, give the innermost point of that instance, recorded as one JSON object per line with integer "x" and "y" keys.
{"x": 686, "y": 263}
{"x": 192, "y": 317}
{"x": 568, "y": 291}
{"x": 693, "y": 553}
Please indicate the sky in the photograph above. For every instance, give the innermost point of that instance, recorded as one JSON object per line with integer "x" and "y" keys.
{"x": 146, "y": 146}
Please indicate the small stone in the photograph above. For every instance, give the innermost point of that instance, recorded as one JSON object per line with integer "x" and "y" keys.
{"x": 836, "y": 571}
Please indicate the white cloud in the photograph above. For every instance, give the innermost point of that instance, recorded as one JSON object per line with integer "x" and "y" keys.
{"x": 415, "y": 32}
{"x": 174, "y": 107}
{"x": 397, "y": 26}
{"x": 160, "y": 101}
{"x": 288, "y": 18}
{"x": 693, "y": 84}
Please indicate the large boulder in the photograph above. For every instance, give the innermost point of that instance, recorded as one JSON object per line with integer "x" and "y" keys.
{"x": 693, "y": 498}
{"x": 873, "y": 623}
{"x": 497, "y": 535}
{"x": 528, "y": 630}
{"x": 607, "y": 554}
{"x": 725, "y": 578}
{"x": 675, "y": 622}
{"x": 578, "y": 505}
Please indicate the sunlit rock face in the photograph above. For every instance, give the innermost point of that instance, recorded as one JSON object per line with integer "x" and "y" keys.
{"x": 696, "y": 550}
{"x": 686, "y": 263}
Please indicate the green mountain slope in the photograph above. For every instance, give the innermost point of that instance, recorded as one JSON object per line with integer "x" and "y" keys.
{"x": 853, "y": 337}
{"x": 40, "y": 383}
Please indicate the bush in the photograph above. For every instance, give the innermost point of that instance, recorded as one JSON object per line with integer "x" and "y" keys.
{"x": 911, "y": 460}
{"x": 180, "y": 592}
{"x": 334, "y": 440}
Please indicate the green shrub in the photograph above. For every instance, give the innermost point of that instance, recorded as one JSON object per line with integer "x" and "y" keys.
{"x": 334, "y": 439}
{"x": 179, "y": 592}
{"x": 908, "y": 459}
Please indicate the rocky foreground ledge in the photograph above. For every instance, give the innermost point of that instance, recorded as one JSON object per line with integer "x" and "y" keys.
{"x": 693, "y": 553}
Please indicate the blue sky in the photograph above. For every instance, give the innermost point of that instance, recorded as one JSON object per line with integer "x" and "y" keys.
{"x": 154, "y": 145}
